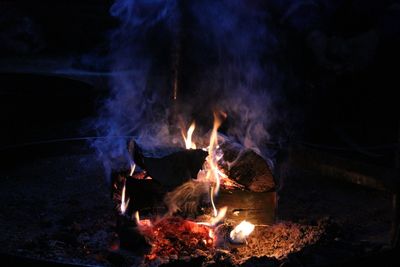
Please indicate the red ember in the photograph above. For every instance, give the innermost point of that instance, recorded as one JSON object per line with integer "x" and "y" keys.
{"x": 174, "y": 236}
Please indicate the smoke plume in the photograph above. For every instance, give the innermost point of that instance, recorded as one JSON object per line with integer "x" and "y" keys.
{"x": 225, "y": 63}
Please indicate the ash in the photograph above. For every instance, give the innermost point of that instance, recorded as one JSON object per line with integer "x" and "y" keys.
{"x": 60, "y": 209}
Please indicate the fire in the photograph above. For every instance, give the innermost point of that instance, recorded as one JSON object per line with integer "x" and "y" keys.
{"x": 124, "y": 203}
{"x": 133, "y": 167}
{"x": 241, "y": 231}
{"x": 141, "y": 223}
{"x": 212, "y": 202}
{"x": 163, "y": 233}
{"x": 220, "y": 215}
{"x": 189, "y": 144}
{"x": 213, "y": 157}
{"x": 210, "y": 172}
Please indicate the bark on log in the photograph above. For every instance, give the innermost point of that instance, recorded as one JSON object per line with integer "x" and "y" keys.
{"x": 257, "y": 203}
{"x": 247, "y": 167}
{"x": 255, "y": 207}
{"x": 172, "y": 170}
{"x": 177, "y": 168}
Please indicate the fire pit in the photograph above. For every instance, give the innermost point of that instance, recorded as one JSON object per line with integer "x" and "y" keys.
{"x": 67, "y": 216}
{"x": 210, "y": 145}
{"x": 197, "y": 202}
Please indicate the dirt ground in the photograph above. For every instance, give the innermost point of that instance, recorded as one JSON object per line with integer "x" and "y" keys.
{"x": 60, "y": 209}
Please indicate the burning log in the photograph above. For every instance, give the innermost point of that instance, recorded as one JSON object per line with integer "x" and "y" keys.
{"x": 250, "y": 199}
{"x": 257, "y": 201}
{"x": 246, "y": 167}
{"x": 177, "y": 168}
{"x": 240, "y": 177}
{"x": 256, "y": 207}
{"x": 172, "y": 170}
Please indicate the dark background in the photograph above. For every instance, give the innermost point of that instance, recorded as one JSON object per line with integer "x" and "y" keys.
{"x": 340, "y": 60}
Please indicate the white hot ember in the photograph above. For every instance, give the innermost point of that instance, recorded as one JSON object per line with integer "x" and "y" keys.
{"x": 241, "y": 232}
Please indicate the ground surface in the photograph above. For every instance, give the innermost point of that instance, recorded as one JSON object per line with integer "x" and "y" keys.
{"x": 61, "y": 209}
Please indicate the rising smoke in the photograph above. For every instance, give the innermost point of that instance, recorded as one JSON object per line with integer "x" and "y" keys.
{"x": 226, "y": 65}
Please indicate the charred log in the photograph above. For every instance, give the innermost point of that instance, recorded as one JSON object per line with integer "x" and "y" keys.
{"x": 172, "y": 170}
{"x": 177, "y": 168}
{"x": 256, "y": 207}
{"x": 247, "y": 167}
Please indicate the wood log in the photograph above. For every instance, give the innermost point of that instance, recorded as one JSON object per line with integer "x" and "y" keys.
{"x": 177, "y": 168}
{"x": 172, "y": 170}
{"x": 247, "y": 167}
{"x": 255, "y": 207}
{"x": 256, "y": 203}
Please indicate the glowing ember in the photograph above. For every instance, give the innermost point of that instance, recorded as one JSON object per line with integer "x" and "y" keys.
{"x": 124, "y": 203}
{"x": 175, "y": 237}
{"x": 241, "y": 231}
{"x": 188, "y": 138}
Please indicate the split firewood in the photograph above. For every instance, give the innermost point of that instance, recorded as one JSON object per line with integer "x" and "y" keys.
{"x": 246, "y": 167}
{"x": 172, "y": 170}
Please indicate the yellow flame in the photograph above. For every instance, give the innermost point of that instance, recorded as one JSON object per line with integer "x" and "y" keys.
{"x": 188, "y": 138}
{"x": 211, "y": 233}
{"x": 241, "y": 231}
{"x": 220, "y": 215}
{"x": 142, "y": 223}
{"x": 124, "y": 204}
{"x": 133, "y": 167}
{"x": 213, "y": 173}
{"x": 212, "y": 158}
{"x": 214, "y": 221}
{"x": 212, "y": 202}
{"x": 137, "y": 217}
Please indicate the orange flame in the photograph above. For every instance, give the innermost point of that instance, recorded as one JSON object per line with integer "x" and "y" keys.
{"x": 211, "y": 173}
{"x": 140, "y": 222}
{"x": 137, "y": 218}
{"x": 211, "y": 159}
{"x": 188, "y": 138}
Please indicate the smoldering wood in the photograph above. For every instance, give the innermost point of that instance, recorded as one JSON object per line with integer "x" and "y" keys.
{"x": 133, "y": 241}
{"x": 145, "y": 196}
{"x": 246, "y": 167}
{"x": 242, "y": 165}
{"x": 256, "y": 207}
{"x": 172, "y": 176}
{"x": 187, "y": 199}
{"x": 172, "y": 170}
{"x": 177, "y": 168}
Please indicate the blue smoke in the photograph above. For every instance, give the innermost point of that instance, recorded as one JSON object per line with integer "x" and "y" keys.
{"x": 231, "y": 66}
